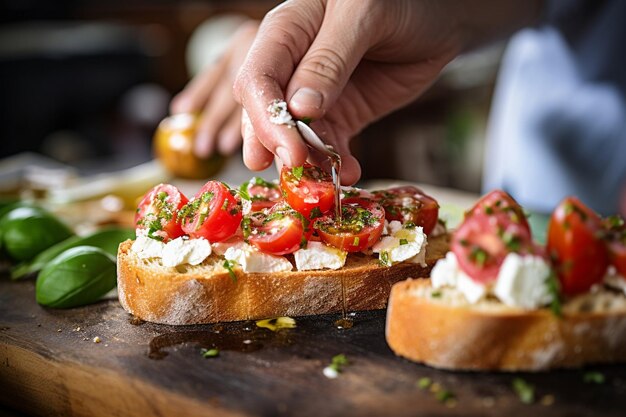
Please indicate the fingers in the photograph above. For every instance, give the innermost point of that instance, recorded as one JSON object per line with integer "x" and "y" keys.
{"x": 255, "y": 155}
{"x": 328, "y": 64}
{"x": 195, "y": 95}
{"x": 283, "y": 38}
{"x": 229, "y": 139}
{"x": 215, "y": 115}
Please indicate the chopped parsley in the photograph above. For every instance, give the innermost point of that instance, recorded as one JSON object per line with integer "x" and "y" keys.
{"x": 303, "y": 242}
{"x": 229, "y": 265}
{"x": 424, "y": 383}
{"x": 593, "y": 377}
{"x": 209, "y": 353}
{"x": 356, "y": 241}
{"x": 511, "y": 241}
{"x": 384, "y": 259}
{"x": 435, "y": 294}
{"x": 338, "y": 362}
{"x": 297, "y": 172}
{"x": 404, "y": 242}
{"x": 479, "y": 256}
{"x": 316, "y": 212}
{"x": 524, "y": 391}
{"x": 409, "y": 225}
{"x": 554, "y": 288}
{"x": 444, "y": 396}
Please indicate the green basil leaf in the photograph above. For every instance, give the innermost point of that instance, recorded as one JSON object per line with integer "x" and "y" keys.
{"x": 79, "y": 276}
{"x": 26, "y": 231}
{"x": 106, "y": 239}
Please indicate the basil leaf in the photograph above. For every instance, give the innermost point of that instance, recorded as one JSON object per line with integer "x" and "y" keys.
{"x": 78, "y": 276}
{"x": 26, "y": 231}
{"x": 106, "y": 239}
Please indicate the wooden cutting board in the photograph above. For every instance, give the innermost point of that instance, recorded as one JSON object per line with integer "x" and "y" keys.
{"x": 50, "y": 365}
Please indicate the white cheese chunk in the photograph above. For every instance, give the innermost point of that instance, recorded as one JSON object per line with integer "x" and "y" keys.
{"x": 146, "y": 247}
{"x": 472, "y": 290}
{"x": 445, "y": 271}
{"x": 185, "y": 251}
{"x": 402, "y": 245}
{"x": 279, "y": 114}
{"x": 251, "y": 260}
{"x": 522, "y": 281}
{"x": 614, "y": 280}
{"x": 319, "y": 256}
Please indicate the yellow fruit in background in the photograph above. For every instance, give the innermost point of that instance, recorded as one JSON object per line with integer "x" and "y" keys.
{"x": 173, "y": 146}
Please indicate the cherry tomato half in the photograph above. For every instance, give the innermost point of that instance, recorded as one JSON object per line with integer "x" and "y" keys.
{"x": 308, "y": 188}
{"x": 157, "y": 212}
{"x": 213, "y": 213}
{"x": 280, "y": 231}
{"x": 483, "y": 241}
{"x": 361, "y": 225}
{"x": 615, "y": 236}
{"x": 263, "y": 194}
{"x": 498, "y": 201}
{"x": 574, "y": 245}
{"x": 409, "y": 204}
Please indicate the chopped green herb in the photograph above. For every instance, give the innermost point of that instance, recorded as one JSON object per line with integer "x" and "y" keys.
{"x": 339, "y": 362}
{"x": 303, "y": 242}
{"x": 593, "y": 377}
{"x": 384, "y": 259}
{"x": 511, "y": 241}
{"x": 444, "y": 396}
{"x": 245, "y": 227}
{"x": 479, "y": 256}
{"x": 229, "y": 265}
{"x": 409, "y": 225}
{"x": 306, "y": 120}
{"x": 424, "y": 383}
{"x": 209, "y": 353}
{"x": 524, "y": 390}
{"x": 225, "y": 205}
{"x": 404, "y": 242}
{"x": 206, "y": 197}
{"x": 464, "y": 242}
{"x": 243, "y": 191}
{"x": 488, "y": 210}
{"x": 297, "y": 172}
{"x": 162, "y": 195}
{"x": 435, "y": 294}
{"x": 554, "y": 288}
{"x": 315, "y": 213}
{"x": 356, "y": 241}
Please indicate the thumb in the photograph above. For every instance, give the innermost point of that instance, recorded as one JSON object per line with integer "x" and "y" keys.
{"x": 328, "y": 64}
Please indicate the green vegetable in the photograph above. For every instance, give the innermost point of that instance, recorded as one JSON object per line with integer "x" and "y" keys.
{"x": 77, "y": 277}
{"x": 424, "y": 383}
{"x": 106, "y": 239}
{"x": 209, "y": 353}
{"x": 26, "y": 231}
{"x": 592, "y": 377}
{"x": 524, "y": 390}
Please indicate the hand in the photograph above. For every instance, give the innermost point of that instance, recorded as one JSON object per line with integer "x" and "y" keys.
{"x": 210, "y": 94}
{"x": 347, "y": 63}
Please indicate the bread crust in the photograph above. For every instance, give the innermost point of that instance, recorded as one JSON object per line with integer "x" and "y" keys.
{"x": 207, "y": 293}
{"x": 456, "y": 336}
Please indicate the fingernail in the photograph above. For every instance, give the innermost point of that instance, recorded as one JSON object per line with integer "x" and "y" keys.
{"x": 284, "y": 156}
{"x": 307, "y": 97}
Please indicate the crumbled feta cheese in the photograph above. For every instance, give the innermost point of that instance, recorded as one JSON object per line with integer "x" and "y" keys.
{"x": 522, "y": 281}
{"x": 402, "y": 244}
{"x": 330, "y": 372}
{"x": 185, "y": 251}
{"x": 146, "y": 247}
{"x": 445, "y": 271}
{"x": 251, "y": 260}
{"x": 614, "y": 280}
{"x": 319, "y": 256}
{"x": 279, "y": 114}
{"x": 472, "y": 290}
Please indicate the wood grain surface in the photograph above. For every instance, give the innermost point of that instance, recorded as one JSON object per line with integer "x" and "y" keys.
{"x": 50, "y": 365}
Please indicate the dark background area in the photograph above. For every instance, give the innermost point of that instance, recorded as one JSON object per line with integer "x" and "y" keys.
{"x": 86, "y": 83}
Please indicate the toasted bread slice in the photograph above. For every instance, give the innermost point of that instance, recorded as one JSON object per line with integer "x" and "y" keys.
{"x": 206, "y": 293}
{"x": 441, "y": 329}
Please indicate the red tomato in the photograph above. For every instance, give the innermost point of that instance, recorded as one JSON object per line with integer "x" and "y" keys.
{"x": 213, "y": 213}
{"x": 498, "y": 201}
{"x": 483, "y": 241}
{"x": 280, "y": 231}
{"x": 157, "y": 212}
{"x": 578, "y": 254}
{"x": 263, "y": 194}
{"x": 361, "y": 225}
{"x": 308, "y": 188}
{"x": 409, "y": 204}
{"x": 615, "y": 235}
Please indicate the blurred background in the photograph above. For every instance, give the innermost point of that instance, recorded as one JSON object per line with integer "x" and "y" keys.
{"x": 85, "y": 83}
